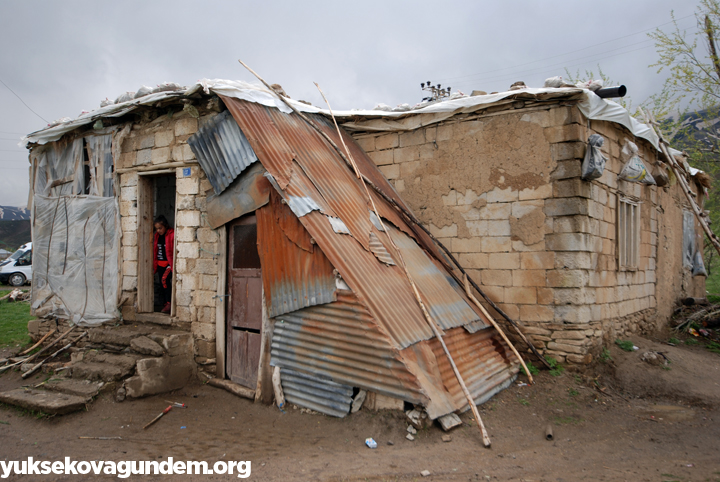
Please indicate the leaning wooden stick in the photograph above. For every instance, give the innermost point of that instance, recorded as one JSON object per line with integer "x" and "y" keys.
{"x": 47, "y": 335}
{"x": 497, "y": 327}
{"x": 36, "y": 367}
{"x": 34, "y": 356}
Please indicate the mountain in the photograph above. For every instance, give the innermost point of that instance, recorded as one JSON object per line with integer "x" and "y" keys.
{"x": 9, "y": 213}
{"x": 14, "y": 234}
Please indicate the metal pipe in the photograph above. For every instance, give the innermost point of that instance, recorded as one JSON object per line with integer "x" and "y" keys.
{"x": 610, "y": 92}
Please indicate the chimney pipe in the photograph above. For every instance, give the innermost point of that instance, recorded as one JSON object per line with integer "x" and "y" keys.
{"x": 610, "y": 92}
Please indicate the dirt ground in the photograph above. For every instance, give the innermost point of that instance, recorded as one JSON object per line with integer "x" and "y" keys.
{"x": 650, "y": 424}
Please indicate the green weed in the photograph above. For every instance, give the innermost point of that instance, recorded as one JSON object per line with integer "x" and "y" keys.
{"x": 674, "y": 341}
{"x": 524, "y": 402}
{"x": 713, "y": 347}
{"x": 605, "y": 355}
{"x": 691, "y": 341}
{"x": 555, "y": 368}
{"x": 573, "y": 392}
{"x": 533, "y": 369}
{"x": 626, "y": 345}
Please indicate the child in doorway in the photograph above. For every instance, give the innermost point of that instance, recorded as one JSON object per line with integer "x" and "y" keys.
{"x": 163, "y": 243}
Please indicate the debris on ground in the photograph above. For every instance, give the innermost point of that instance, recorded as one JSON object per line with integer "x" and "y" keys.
{"x": 371, "y": 443}
{"x": 449, "y": 421}
{"x": 447, "y": 438}
{"x": 654, "y": 358}
{"x": 425, "y": 473}
{"x": 410, "y": 437}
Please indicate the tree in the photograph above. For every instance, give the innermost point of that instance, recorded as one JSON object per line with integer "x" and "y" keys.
{"x": 688, "y": 107}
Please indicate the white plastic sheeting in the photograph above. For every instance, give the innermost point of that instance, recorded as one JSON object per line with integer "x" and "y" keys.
{"x": 60, "y": 169}
{"x": 75, "y": 258}
{"x": 592, "y": 106}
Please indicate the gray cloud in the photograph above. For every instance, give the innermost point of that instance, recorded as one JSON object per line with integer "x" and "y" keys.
{"x": 64, "y": 57}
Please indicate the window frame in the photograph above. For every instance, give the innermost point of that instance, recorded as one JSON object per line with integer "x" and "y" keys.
{"x": 628, "y": 234}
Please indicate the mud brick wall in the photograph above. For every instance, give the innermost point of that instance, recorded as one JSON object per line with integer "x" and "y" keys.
{"x": 503, "y": 192}
{"x": 161, "y": 142}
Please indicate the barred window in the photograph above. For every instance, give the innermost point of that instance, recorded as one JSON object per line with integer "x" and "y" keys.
{"x": 628, "y": 234}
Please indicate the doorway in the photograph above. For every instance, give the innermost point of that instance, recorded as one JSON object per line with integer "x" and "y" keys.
{"x": 156, "y": 196}
{"x": 244, "y": 307}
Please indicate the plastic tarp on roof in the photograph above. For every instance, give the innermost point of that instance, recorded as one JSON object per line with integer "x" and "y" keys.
{"x": 591, "y": 105}
{"x": 75, "y": 258}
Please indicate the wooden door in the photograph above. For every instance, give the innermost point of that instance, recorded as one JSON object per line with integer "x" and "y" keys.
{"x": 244, "y": 308}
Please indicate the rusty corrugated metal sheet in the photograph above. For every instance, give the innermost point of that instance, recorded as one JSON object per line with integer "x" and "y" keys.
{"x": 244, "y": 195}
{"x": 296, "y": 274}
{"x": 324, "y": 396}
{"x": 340, "y": 341}
{"x": 484, "y": 360}
{"x": 222, "y": 150}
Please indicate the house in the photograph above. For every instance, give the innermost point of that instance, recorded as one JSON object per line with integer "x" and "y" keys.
{"x": 284, "y": 257}
{"x": 281, "y": 258}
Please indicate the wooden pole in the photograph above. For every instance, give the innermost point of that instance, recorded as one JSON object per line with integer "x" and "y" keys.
{"x": 48, "y": 334}
{"x": 497, "y": 327}
{"x": 36, "y": 367}
{"x": 32, "y": 357}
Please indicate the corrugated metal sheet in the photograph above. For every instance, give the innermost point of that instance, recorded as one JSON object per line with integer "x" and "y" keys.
{"x": 244, "y": 195}
{"x": 379, "y": 250}
{"x": 222, "y": 150}
{"x": 484, "y": 360}
{"x": 437, "y": 287}
{"x": 340, "y": 341}
{"x": 264, "y": 138}
{"x": 324, "y": 396}
{"x": 296, "y": 274}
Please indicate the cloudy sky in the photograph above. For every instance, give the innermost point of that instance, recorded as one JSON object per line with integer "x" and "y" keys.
{"x": 61, "y": 58}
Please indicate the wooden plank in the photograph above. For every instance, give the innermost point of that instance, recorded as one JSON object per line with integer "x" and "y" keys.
{"x": 174, "y": 257}
{"x": 264, "y": 387}
{"x": 144, "y": 229}
{"x": 220, "y": 306}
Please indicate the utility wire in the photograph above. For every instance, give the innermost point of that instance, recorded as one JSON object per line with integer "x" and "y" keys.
{"x": 30, "y": 108}
{"x": 446, "y": 80}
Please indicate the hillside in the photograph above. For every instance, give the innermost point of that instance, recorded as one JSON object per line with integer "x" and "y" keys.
{"x": 14, "y": 234}
{"x": 11, "y": 213}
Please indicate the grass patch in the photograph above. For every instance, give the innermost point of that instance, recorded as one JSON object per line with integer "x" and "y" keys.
{"x": 26, "y": 412}
{"x": 674, "y": 341}
{"x": 573, "y": 393}
{"x": 14, "y": 318}
{"x": 691, "y": 341}
{"x": 533, "y": 369}
{"x": 555, "y": 368}
{"x": 524, "y": 402}
{"x": 713, "y": 347}
{"x": 626, "y": 345}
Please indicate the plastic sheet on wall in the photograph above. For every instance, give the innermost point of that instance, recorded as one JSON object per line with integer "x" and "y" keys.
{"x": 688, "y": 239}
{"x": 75, "y": 258}
{"x": 99, "y": 149}
{"x": 59, "y": 171}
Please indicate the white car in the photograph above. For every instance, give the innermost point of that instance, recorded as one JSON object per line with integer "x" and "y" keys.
{"x": 17, "y": 269}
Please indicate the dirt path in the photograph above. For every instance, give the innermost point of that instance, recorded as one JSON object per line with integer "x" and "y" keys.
{"x": 597, "y": 436}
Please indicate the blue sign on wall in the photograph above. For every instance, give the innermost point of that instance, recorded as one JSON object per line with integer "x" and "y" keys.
{"x": 186, "y": 172}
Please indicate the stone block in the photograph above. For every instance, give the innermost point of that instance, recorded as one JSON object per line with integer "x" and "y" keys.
{"x": 367, "y": 143}
{"x": 188, "y": 250}
{"x": 572, "y": 188}
{"x": 160, "y": 375}
{"x": 444, "y": 232}
{"x": 494, "y": 277}
{"x": 128, "y": 193}
{"x": 186, "y": 126}
{"x": 569, "y": 242}
{"x": 495, "y": 293}
{"x": 497, "y": 227}
{"x": 474, "y": 260}
{"x": 496, "y": 211}
{"x": 528, "y": 277}
{"x": 537, "y": 260}
{"x": 495, "y": 244}
{"x": 160, "y": 155}
{"x": 188, "y": 185}
{"x": 573, "y": 260}
{"x": 564, "y": 347}
{"x": 128, "y": 179}
{"x": 381, "y": 158}
{"x": 520, "y": 295}
{"x": 522, "y": 208}
{"x": 567, "y": 278}
{"x": 206, "y": 266}
{"x": 184, "y": 234}
{"x": 183, "y": 152}
{"x": 129, "y": 268}
{"x": 146, "y": 346}
{"x": 545, "y": 296}
{"x": 376, "y": 401}
{"x": 412, "y": 138}
{"x": 566, "y": 206}
{"x": 572, "y": 314}
{"x": 479, "y": 228}
{"x": 206, "y": 348}
{"x": 536, "y": 313}
{"x": 469, "y": 245}
{"x": 387, "y": 141}
{"x": 129, "y": 253}
{"x": 565, "y": 133}
{"x": 143, "y": 157}
{"x": 164, "y": 138}
{"x": 567, "y": 150}
{"x": 504, "y": 261}
{"x": 566, "y": 169}
{"x": 188, "y": 218}
{"x": 391, "y": 171}
{"x": 129, "y": 283}
{"x": 407, "y": 169}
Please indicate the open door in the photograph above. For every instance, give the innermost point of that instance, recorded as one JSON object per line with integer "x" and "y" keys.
{"x": 244, "y": 308}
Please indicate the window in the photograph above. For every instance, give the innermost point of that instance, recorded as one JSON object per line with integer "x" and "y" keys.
{"x": 628, "y": 234}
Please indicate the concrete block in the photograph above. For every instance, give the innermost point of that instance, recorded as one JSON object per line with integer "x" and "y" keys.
{"x": 495, "y": 244}
{"x": 143, "y": 157}
{"x": 569, "y": 242}
{"x": 188, "y": 185}
{"x": 537, "y": 260}
{"x": 566, "y": 206}
{"x": 188, "y": 218}
{"x": 391, "y": 171}
{"x": 572, "y": 188}
{"x": 545, "y": 296}
{"x": 164, "y": 138}
{"x": 498, "y": 227}
{"x": 496, "y": 211}
{"x": 129, "y": 268}
{"x": 570, "y": 278}
{"x": 146, "y": 346}
{"x": 376, "y": 401}
{"x": 160, "y": 155}
{"x": 494, "y": 277}
{"x": 386, "y": 141}
{"x": 536, "y": 313}
{"x": 474, "y": 260}
{"x": 528, "y": 277}
{"x": 498, "y": 195}
{"x": 521, "y": 295}
{"x": 160, "y": 375}
{"x": 367, "y": 143}
{"x": 183, "y": 152}
{"x": 188, "y": 250}
{"x": 566, "y": 169}
{"x": 412, "y": 138}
